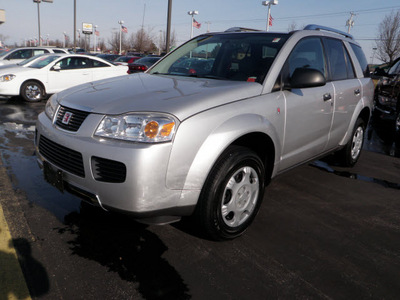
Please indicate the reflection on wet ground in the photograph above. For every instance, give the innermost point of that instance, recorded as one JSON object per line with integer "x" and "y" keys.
{"x": 326, "y": 167}
{"x": 124, "y": 247}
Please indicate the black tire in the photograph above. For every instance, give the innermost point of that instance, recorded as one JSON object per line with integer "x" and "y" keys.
{"x": 32, "y": 91}
{"x": 232, "y": 194}
{"x": 349, "y": 155}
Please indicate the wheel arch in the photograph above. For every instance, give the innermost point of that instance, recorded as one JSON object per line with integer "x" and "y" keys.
{"x": 33, "y": 80}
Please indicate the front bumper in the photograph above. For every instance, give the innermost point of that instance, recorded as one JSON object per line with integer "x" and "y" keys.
{"x": 142, "y": 192}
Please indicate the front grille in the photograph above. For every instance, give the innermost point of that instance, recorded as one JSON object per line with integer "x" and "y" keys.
{"x": 107, "y": 170}
{"x": 63, "y": 157}
{"x": 74, "y": 119}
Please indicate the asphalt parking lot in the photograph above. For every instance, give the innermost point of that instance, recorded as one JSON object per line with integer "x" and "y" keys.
{"x": 323, "y": 232}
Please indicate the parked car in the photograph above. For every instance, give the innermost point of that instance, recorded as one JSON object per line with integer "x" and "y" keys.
{"x": 108, "y": 57}
{"x": 170, "y": 143}
{"x": 125, "y": 60}
{"x": 387, "y": 98}
{"x": 17, "y": 55}
{"x": 142, "y": 64}
{"x": 52, "y": 73}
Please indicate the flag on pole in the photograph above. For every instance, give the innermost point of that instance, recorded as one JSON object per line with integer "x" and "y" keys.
{"x": 270, "y": 20}
{"x": 196, "y": 24}
{"x": 124, "y": 29}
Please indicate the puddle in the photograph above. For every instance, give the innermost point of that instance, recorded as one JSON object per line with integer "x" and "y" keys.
{"x": 326, "y": 167}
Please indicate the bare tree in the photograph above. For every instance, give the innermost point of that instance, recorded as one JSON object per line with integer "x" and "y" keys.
{"x": 163, "y": 41}
{"x": 114, "y": 42}
{"x": 142, "y": 41}
{"x": 388, "y": 43}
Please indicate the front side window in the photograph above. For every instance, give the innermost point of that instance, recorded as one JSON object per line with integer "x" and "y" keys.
{"x": 309, "y": 54}
{"x": 71, "y": 63}
{"x": 21, "y": 54}
{"x": 239, "y": 57}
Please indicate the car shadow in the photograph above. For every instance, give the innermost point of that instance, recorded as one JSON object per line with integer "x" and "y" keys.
{"x": 126, "y": 248}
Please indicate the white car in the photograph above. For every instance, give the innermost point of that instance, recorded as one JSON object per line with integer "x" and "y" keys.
{"x": 17, "y": 55}
{"x": 52, "y": 73}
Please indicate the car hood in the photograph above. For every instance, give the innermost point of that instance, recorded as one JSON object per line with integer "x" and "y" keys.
{"x": 142, "y": 92}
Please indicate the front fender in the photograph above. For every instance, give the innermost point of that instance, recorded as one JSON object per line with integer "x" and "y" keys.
{"x": 192, "y": 158}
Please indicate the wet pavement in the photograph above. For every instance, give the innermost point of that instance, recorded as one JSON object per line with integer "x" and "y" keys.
{"x": 322, "y": 232}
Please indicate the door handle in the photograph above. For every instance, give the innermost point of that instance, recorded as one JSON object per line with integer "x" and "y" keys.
{"x": 357, "y": 92}
{"x": 327, "y": 97}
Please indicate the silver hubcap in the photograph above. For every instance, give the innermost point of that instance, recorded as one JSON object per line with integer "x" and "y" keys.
{"x": 398, "y": 122}
{"x": 357, "y": 142}
{"x": 240, "y": 197}
{"x": 33, "y": 92}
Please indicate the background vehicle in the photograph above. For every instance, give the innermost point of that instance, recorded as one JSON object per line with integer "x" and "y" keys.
{"x": 387, "y": 101}
{"x": 51, "y": 73}
{"x": 17, "y": 55}
{"x": 206, "y": 140}
{"x": 108, "y": 57}
{"x": 125, "y": 60}
{"x": 142, "y": 64}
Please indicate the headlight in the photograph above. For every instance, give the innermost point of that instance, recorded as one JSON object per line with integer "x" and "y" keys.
{"x": 51, "y": 106}
{"x": 146, "y": 128}
{"x": 7, "y": 77}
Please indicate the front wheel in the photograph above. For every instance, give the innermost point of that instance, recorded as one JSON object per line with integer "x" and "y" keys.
{"x": 32, "y": 91}
{"x": 350, "y": 154}
{"x": 232, "y": 194}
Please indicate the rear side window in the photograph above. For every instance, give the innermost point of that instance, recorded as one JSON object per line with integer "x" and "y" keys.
{"x": 361, "y": 59}
{"x": 340, "y": 65}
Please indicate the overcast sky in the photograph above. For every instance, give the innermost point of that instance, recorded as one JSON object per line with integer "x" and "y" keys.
{"x": 57, "y": 17}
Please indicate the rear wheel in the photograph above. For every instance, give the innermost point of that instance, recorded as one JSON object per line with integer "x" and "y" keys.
{"x": 32, "y": 91}
{"x": 232, "y": 194}
{"x": 350, "y": 154}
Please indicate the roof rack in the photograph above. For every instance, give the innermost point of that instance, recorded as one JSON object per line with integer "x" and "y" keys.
{"x": 319, "y": 27}
{"x": 240, "y": 29}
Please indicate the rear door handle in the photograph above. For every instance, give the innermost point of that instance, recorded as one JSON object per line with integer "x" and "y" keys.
{"x": 327, "y": 97}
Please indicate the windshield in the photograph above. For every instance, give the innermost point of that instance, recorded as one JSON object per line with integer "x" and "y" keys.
{"x": 394, "y": 69}
{"x": 29, "y": 60}
{"x": 238, "y": 56}
{"x": 43, "y": 61}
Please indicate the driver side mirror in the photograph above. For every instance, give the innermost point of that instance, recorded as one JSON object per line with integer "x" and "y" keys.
{"x": 306, "y": 78}
{"x": 56, "y": 68}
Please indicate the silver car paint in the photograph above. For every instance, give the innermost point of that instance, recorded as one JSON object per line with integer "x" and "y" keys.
{"x": 212, "y": 115}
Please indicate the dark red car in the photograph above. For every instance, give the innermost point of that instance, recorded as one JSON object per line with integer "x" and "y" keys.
{"x": 125, "y": 60}
{"x": 142, "y": 64}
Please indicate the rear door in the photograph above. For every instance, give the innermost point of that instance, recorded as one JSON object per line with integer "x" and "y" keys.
{"x": 347, "y": 89}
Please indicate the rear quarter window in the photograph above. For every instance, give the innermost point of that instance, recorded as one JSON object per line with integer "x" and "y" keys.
{"x": 361, "y": 59}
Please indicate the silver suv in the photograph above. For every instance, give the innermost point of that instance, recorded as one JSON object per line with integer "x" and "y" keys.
{"x": 206, "y": 128}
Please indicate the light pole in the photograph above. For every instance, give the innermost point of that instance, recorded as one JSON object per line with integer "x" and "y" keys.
{"x": 192, "y": 13}
{"x": 269, "y": 3}
{"x": 95, "y": 33}
{"x": 65, "y": 37}
{"x": 120, "y": 35}
{"x": 38, "y": 11}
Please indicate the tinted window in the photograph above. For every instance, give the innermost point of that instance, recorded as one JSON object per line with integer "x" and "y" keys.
{"x": 361, "y": 58}
{"x": 21, "y": 54}
{"x": 308, "y": 53}
{"x": 58, "y": 51}
{"x": 73, "y": 63}
{"x": 337, "y": 59}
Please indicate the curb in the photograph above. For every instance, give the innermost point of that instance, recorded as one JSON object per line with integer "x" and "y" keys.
{"x": 12, "y": 281}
